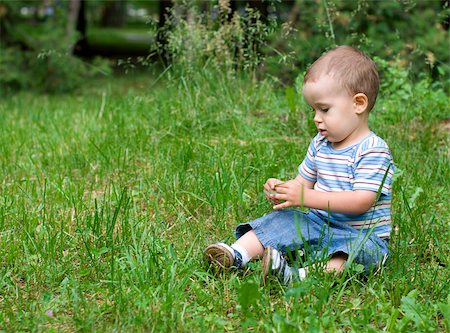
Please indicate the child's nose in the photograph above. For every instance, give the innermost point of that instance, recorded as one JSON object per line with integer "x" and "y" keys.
{"x": 317, "y": 118}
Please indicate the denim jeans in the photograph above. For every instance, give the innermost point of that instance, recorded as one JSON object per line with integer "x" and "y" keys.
{"x": 290, "y": 229}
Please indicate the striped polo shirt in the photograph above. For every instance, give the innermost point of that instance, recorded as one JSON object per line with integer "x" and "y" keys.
{"x": 367, "y": 165}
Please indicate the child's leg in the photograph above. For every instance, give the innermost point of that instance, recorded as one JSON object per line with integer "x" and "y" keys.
{"x": 250, "y": 242}
{"x": 337, "y": 262}
{"x": 276, "y": 228}
{"x": 273, "y": 263}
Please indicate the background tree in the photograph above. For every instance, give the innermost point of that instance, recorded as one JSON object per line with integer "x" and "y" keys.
{"x": 114, "y": 13}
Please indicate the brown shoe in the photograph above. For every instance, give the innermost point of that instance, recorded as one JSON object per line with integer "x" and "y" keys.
{"x": 220, "y": 255}
{"x": 266, "y": 264}
{"x": 273, "y": 264}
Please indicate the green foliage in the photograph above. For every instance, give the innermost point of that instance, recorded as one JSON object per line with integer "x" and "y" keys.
{"x": 12, "y": 71}
{"x": 120, "y": 40}
{"x": 228, "y": 43}
{"x": 407, "y": 32}
{"x": 50, "y": 70}
{"x": 244, "y": 44}
{"x": 38, "y": 55}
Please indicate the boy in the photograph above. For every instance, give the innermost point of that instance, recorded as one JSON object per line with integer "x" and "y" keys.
{"x": 345, "y": 179}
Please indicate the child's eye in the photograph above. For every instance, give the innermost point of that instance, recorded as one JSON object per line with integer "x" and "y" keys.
{"x": 320, "y": 109}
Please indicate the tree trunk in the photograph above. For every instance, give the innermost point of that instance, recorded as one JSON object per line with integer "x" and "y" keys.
{"x": 114, "y": 14}
{"x": 81, "y": 47}
{"x": 294, "y": 14}
{"x": 72, "y": 17}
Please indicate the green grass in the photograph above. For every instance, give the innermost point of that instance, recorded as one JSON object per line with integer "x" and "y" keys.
{"x": 109, "y": 196}
{"x": 136, "y": 40}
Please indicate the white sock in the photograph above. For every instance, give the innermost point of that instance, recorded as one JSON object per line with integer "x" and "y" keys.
{"x": 244, "y": 254}
{"x": 301, "y": 274}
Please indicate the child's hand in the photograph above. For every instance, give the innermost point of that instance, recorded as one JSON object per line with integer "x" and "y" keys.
{"x": 269, "y": 190}
{"x": 290, "y": 192}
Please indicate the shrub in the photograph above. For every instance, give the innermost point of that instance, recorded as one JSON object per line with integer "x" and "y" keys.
{"x": 12, "y": 69}
{"x": 409, "y": 33}
{"x": 230, "y": 43}
{"x": 38, "y": 55}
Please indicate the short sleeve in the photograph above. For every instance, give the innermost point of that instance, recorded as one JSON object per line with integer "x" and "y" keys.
{"x": 374, "y": 169}
{"x": 308, "y": 168}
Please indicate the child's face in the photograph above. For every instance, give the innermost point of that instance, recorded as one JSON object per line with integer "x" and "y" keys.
{"x": 337, "y": 116}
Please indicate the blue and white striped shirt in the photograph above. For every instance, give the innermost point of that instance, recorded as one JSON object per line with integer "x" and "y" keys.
{"x": 367, "y": 165}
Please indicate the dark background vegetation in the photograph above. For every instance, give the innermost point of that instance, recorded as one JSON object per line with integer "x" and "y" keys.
{"x": 58, "y": 45}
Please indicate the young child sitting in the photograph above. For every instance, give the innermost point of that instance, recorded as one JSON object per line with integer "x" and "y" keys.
{"x": 345, "y": 179}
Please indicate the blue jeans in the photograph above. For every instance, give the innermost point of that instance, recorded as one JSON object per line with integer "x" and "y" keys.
{"x": 289, "y": 230}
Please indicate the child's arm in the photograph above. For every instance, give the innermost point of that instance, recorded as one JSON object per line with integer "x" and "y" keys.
{"x": 349, "y": 202}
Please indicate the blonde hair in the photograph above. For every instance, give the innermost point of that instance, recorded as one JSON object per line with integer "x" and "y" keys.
{"x": 352, "y": 68}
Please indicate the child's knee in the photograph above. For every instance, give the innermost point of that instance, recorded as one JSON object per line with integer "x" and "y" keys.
{"x": 337, "y": 262}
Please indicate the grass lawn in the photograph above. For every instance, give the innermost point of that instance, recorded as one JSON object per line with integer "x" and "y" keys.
{"x": 121, "y": 40}
{"x": 109, "y": 196}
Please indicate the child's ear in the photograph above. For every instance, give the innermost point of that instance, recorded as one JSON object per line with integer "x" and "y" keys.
{"x": 360, "y": 102}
